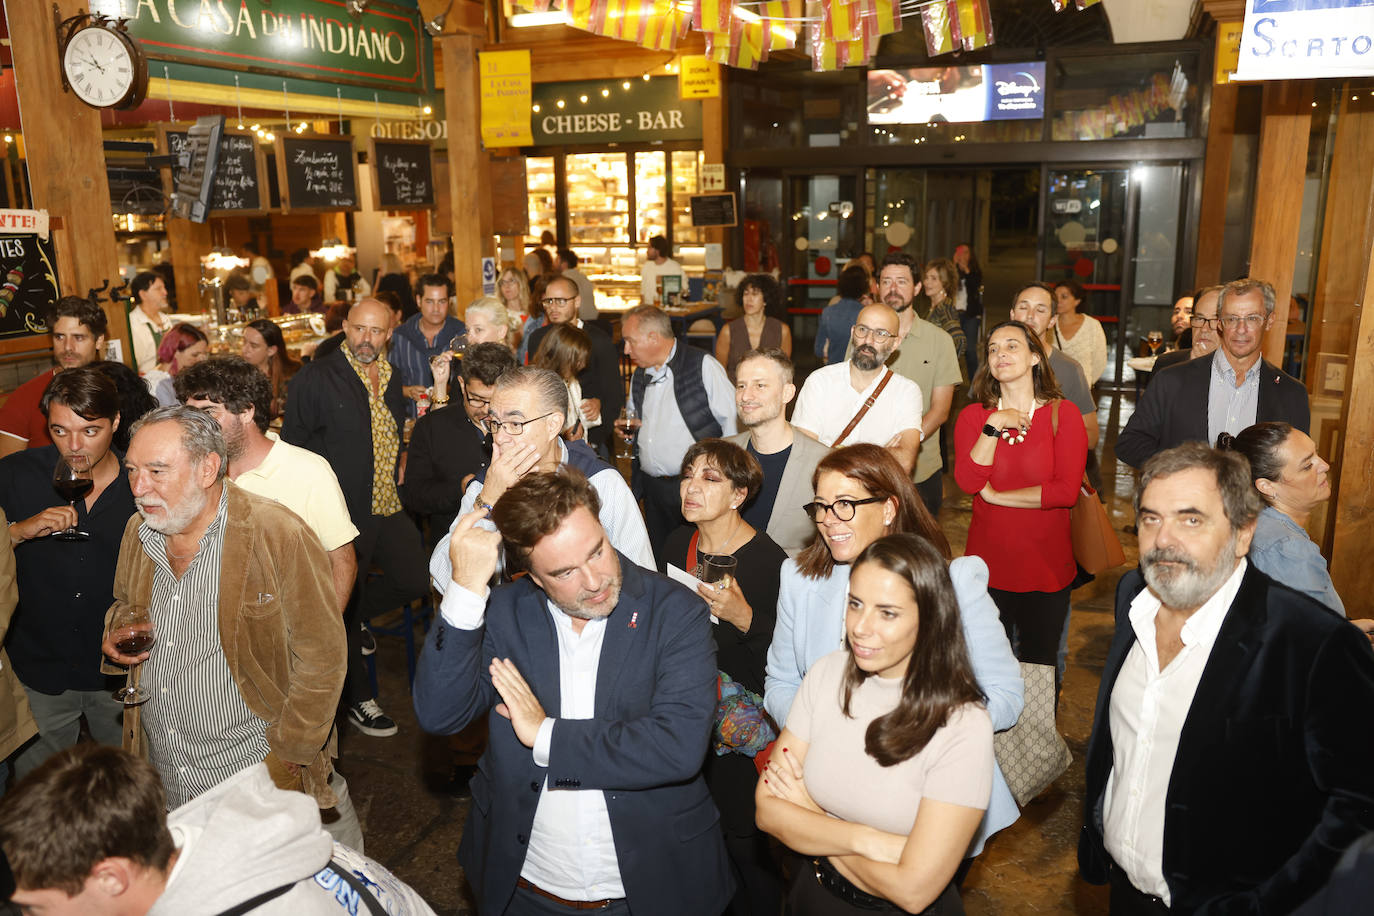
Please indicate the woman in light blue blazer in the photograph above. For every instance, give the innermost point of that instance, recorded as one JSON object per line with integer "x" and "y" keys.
{"x": 862, "y": 494}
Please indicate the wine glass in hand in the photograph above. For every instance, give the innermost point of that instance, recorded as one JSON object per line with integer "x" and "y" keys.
{"x": 72, "y": 480}
{"x": 627, "y": 426}
{"x": 458, "y": 346}
{"x": 131, "y": 631}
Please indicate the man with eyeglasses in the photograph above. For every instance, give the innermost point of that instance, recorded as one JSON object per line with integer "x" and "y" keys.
{"x": 887, "y": 406}
{"x": 449, "y": 448}
{"x": 603, "y": 390}
{"x": 1225, "y": 391}
{"x": 926, "y": 354}
{"x": 423, "y": 336}
{"x": 348, "y": 407}
{"x": 528, "y": 409}
{"x": 1202, "y": 322}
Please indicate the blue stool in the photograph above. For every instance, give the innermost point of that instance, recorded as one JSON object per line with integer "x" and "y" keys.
{"x": 405, "y": 629}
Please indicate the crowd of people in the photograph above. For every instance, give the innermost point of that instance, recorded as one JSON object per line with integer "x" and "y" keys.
{"x": 751, "y": 678}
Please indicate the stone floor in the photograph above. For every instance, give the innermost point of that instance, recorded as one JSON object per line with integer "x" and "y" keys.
{"x": 413, "y": 826}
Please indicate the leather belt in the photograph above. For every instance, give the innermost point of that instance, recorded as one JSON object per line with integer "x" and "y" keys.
{"x": 571, "y": 904}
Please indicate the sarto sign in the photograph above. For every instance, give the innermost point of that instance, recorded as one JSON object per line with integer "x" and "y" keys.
{"x": 300, "y": 38}
{"x": 1305, "y": 39}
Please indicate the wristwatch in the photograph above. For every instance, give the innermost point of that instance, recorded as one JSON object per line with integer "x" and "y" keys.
{"x": 990, "y": 430}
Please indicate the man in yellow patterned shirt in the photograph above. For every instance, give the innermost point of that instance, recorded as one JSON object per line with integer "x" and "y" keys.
{"x": 348, "y": 407}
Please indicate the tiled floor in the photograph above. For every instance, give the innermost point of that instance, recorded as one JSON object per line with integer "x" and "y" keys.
{"x": 414, "y": 827}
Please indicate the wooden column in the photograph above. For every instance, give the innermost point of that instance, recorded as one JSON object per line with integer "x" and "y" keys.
{"x": 1216, "y": 179}
{"x": 65, "y": 158}
{"x": 1351, "y": 524}
{"x": 1278, "y": 198}
{"x": 187, "y": 243}
{"x": 1346, "y": 235}
{"x": 467, "y": 163}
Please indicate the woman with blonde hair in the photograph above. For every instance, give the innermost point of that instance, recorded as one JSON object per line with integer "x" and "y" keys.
{"x": 488, "y": 321}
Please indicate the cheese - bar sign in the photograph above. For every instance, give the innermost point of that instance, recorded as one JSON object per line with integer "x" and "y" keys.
{"x": 381, "y": 47}
{"x": 609, "y": 111}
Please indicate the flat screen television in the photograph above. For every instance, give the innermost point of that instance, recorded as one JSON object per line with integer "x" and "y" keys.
{"x": 957, "y": 95}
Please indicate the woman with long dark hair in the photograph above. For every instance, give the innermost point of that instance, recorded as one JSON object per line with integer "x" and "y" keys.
{"x": 1078, "y": 334}
{"x": 862, "y": 494}
{"x": 885, "y": 768}
{"x": 1021, "y": 457}
{"x": 265, "y": 349}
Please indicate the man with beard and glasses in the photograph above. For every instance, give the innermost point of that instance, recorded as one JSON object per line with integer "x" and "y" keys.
{"x": 926, "y": 354}
{"x": 763, "y": 388}
{"x": 1232, "y": 754}
{"x": 239, "y": 398}
{"x": 887, "y": 406}
{"x": 598, "y": 682}
{"x": 249, "y": 658}
{"x": 348, "y": 408}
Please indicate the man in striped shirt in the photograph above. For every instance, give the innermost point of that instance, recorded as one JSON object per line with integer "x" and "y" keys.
{"x": 250, "y": 652}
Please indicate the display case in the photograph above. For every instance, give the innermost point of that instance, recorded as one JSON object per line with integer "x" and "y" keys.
{"x": 299, "y": 331}
{"x": 542, "y": 187}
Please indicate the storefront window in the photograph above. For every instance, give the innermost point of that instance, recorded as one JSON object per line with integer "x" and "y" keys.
{"x": 686, "y": 182}
{"x": 790, "y": 109}
{"x": 1112, "y": 97}
{"x": 539, "y": 179}
{"x": 598, "y": 198}
{"x": 651, "y": 196}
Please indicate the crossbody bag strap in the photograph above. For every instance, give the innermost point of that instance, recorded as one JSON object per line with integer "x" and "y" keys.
{"x": 374, "y": 906}
{"x": 868, "y": 402}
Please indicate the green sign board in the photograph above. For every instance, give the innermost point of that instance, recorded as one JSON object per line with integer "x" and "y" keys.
{"x": 383, "y": 47}
{"x": 613, "y": 111}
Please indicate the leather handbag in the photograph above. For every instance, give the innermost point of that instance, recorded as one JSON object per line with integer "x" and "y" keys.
{"x": 1096, "y": 546}
{"x": 1032, "y": 754}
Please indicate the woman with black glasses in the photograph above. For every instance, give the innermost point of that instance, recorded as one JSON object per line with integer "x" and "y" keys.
{"x": 862, "y": 494}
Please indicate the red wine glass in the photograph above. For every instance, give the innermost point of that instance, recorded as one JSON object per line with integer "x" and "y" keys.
{"x": 132, "y": 631}
{"x": 73, "y": 482}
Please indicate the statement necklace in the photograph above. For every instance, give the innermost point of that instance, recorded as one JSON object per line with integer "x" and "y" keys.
{"x": 1017, "y": 435}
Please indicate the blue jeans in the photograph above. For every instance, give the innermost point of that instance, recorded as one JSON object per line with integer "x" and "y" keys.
{"x": 972, "y": 327}
{"x": 59, "y": 723}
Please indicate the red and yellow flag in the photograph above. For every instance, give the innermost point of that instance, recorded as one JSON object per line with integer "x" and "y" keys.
{"x": 975, "y": 24}
{"x": 939, "y": 28}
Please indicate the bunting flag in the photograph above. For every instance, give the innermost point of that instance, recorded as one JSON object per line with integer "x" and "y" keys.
{"x": 839, "y": 21}
{"x": 580, "y": 14}
{"x": 1084, "y": 4}
{"x": 975, "y": 25}
{"x": 939, "y": 26}
{"x": 883, "y": 17}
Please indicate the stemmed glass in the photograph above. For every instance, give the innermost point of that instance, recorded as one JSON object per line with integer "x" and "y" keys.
{"x": 73, "y": 482}
{"x": 628, "y": 428}
{"x": 1155, "y": 339}
{"x": 458, "y": 346}
{"x": 133, "y": 634}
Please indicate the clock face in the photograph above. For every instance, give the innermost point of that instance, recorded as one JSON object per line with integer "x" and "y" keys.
{"x": 100, "y": 67}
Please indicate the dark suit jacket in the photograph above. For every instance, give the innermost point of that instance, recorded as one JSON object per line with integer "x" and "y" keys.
{"x": 327, "y": 412}
{"x": 1173, "y": 409}
{"x": 601, "y": 379}
{"x": 655, "y": 702}
{"x": 445, "y": 447}
{"x": 1274, "y": 775}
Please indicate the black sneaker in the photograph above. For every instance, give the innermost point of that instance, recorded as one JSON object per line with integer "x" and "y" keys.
{"x": 368, "y": 718}
{"x": 367, "y": 641}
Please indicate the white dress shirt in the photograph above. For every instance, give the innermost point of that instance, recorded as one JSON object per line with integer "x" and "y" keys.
{"x": 663, "y": 436}
{"x": 828, "y": 402}
{"x": 1148, "y": 709}
{"x": 571, "y": 851}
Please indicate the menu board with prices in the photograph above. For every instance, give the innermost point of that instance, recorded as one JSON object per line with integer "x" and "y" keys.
{"x": 405, "y": 174}
{"x": 240, "y": 175}
{"x": 317, "y": 174}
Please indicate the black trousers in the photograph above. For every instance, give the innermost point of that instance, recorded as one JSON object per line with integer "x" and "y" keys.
{"x": 932, "y": 492}
{"x": 392, "y": 544}
{"x": 806, "y": 897}
{"x": 1126, "y": 900}
{"x": 1033, "y": 621}
{"x": 662, "y": 508}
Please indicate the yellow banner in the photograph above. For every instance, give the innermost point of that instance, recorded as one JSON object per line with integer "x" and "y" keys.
{"x": 1228, "y": 50}
{"x": 506, "y": 89}
{"x": 698, "y": 78}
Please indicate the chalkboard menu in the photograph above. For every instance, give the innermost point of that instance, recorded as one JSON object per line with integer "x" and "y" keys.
{"x": 404, "y": 172}
{"x": 317, "y": 173}
{"x": 713, "y": 210}
{"x": 240, "y": 183}
{"x": 28, "y": 284}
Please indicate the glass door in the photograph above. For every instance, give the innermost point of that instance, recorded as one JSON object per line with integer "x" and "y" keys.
{"x": 826, "y": 231}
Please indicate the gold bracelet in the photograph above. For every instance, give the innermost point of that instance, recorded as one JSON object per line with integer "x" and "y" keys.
{"x": 439, "y": 402}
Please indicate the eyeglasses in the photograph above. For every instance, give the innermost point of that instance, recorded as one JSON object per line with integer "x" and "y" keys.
{"x": 1231, "y": 322}
{"x": 475, "y": 401}
{"x": 556, "y": 300}
{"x": 1201, "y": 321}
{"x": 512, "y": 427}
{"x": 862, "y": 332}
{"x": 842, "y": 509}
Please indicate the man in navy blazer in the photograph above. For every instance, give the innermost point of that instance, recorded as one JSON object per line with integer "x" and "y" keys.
{"x": 598, "y": 680}
{"x": 1232, "y": 754}
{"x": 1178, "y": 406}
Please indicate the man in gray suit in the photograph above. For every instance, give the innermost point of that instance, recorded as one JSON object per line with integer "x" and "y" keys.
{"x": 763, "y": 388}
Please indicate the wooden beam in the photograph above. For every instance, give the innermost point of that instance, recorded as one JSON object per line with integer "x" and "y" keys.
{"x": 187, "y": 243}
{"x": 1340, "y": 270}
{"x": 1282, "y": 172}
{"x": 467, "y": 164}
{"x": 65, "y": 158}
{"x": 561, "y": 53}
{"x": 1351, "y": 524}
{"x": 1216, "y": 180}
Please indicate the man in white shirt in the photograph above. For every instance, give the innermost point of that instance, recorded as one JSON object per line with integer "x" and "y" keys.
{"x": 147, "y": 323}
{"x": 680, "y": 394}
{"x": 1232, "y": 753}
{"x": 888, "y": 405}
{"x": 597, "y": 679}
{"x": 658, "y": 262}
